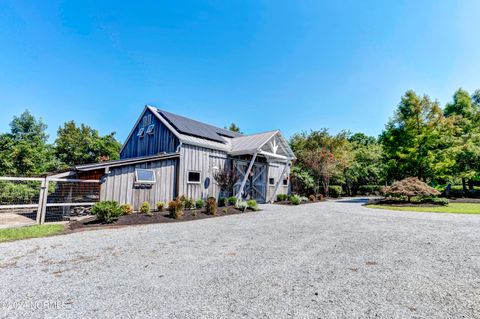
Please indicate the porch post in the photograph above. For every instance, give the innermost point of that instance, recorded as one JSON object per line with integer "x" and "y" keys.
{"x": 280, "y": 180}
{"x": 244, "y": 181}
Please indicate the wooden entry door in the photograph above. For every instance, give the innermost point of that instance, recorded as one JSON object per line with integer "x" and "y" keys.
{"x": 256, "y": 185}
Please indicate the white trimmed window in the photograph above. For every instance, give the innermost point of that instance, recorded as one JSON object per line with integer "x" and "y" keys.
{"x": 193, "y": 177}
{"x": 144, "y": 176}
{"x": 141, "y": 132}
{"x": 271, "y": 181}
{"x": 285, "y": 181}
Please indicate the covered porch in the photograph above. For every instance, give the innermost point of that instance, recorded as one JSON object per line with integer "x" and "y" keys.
{"x": 262, "y": 162}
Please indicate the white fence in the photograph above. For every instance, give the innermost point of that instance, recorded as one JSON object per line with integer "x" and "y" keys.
{"x": 46, "y": 199}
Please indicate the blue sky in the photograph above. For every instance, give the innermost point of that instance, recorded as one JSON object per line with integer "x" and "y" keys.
{"x": 293, "y": 65}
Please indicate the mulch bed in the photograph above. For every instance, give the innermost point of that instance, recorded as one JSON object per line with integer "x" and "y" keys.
{"x": 465, "y": 200}
{"x": 158, "y": 217}
{"x": 399, "y": 203}
{"x": 288, "y": 203}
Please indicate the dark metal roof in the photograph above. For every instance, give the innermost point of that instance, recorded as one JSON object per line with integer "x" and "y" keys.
{"x": 191, "y": 127}
{"x": 126, "y": 161}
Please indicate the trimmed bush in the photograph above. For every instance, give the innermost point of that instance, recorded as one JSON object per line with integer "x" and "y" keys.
{"x": 211, "y": 206}
{"x": 335, "y": 191}
{"x": 295, "y": 200}
{"x": 430, "y": 200}
{"x": 175, "y": 207}
{"x": 282, "y": 197}
{"x": 410, "y": 187}
{"x": 319, "y": 197}
{"x": 188, "y": 203}
{"x": 221, "y": 201}
{"x": 304, "y": 199}
{"x": 145, "y": 208}
{"x": 241, "y": 205}
{"x": 232, "y": 200}
{"x": 160, "y": 206}
{"x": 107, "y": 211}
{"x": 199, "y": 203}
{"x": 252, "y": 204}
{"x": 312, "y": 198}
{"x": 127, "y": 209}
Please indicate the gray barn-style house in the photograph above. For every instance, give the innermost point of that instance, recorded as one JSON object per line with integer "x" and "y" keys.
{"x": 167, "y": 155}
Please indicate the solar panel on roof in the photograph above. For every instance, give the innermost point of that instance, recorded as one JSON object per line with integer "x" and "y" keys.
{"x": 195, "y": 128}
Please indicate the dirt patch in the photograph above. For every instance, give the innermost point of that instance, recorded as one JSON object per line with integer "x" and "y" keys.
{"x": 156, "y": 218}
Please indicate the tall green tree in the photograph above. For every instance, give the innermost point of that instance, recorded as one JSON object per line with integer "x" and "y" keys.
{"x": 414, "y": 139}
{"x": 234, "y": 128}
{"x": 24, "y": 150}
{"x": 464, "y": 111}
{"x": 366, "y": 167}
{"x": 82, "y": 145}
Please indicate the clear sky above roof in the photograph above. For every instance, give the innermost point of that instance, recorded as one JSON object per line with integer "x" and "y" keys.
{"x": 292, "y": 65}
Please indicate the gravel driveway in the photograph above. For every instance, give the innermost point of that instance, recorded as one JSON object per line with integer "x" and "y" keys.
{"x": 324, "y": 260}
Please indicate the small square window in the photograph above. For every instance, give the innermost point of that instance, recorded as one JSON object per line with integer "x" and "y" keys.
{"x": 150, "y": 129}
{"x": 285, "y": 182}
{"x": 271, "y": 181}
{"x": 144, "y": 176}
{"x": 193, "y": 177}
{"x": 141, "y": 132}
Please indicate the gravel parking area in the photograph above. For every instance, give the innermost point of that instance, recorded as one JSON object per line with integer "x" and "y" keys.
{"x": 324, "y": 260}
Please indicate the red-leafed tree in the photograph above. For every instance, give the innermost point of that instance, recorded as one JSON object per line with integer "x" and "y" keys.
{"x": 323, "y": 163}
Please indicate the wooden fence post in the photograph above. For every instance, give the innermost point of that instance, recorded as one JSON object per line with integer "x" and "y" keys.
{"x": 42, "y": 202}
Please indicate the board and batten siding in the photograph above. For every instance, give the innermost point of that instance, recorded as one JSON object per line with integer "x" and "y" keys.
{"x": 275, "y": 171}
{"x": 161, "y": 140}
{"x": 119, "y": 184}
{"x": 204, "y": 161}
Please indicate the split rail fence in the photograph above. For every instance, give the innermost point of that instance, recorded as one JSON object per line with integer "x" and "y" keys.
{"x": 41, "y": 200}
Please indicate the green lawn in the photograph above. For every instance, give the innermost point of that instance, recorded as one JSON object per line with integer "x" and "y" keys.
{"x": 457, "y": 208}
{"x": 8, "y": 234}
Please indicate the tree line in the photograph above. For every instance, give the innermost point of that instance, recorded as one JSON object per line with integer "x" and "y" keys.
{"x": 25, "y": 150}
{"x": 439, "y": 145}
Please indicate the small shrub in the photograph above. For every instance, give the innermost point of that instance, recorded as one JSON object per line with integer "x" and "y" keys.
{"x": 304, "y": 199}
{"x": 175, "y": 207}
{"x": 252, "y": 204}
{"x": 319, "y": 197}
{"x": 145, "y": 209}
{"x": 225, "y": 210}
{"x": 107, "y": 211}
{"x": 127, "y": 209}
{"x": 211, "y": 206}
{"x": 221, "y": 201}
{"x": 242, "y": 205}
{"x": 199, "y": 203}
{"x": 312, "y": 198}
{"x": 282, "y": 197}
{"x": 188, "y": 203}
{"x": 295, "y": 200}
{"x": 160, "y": 206}
{"x": 335, "y": 191}
{"x": 232, "y": 200}
{"x": 440, "y": 201}
{"x": 430, "y": 200}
